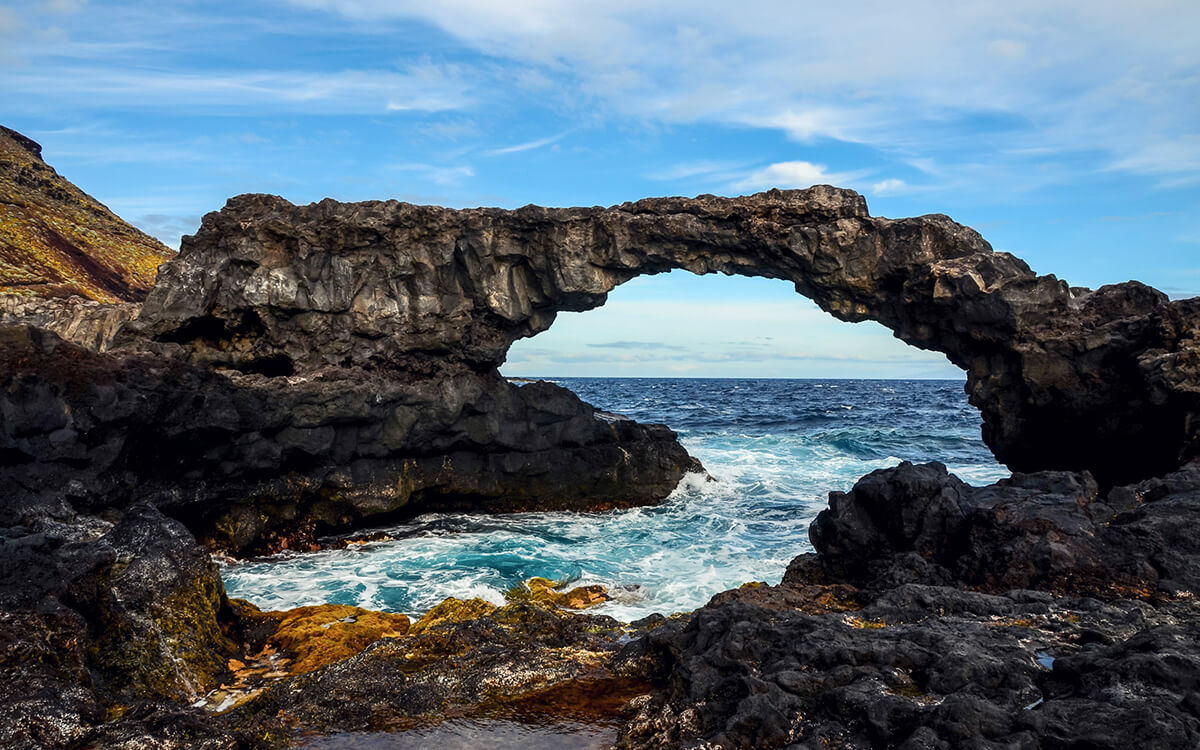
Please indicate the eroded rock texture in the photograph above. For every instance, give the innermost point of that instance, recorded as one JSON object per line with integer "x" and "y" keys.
{"x": 1034, "y": 613}
{"x": 96, "y": 616}
{"x": 251, "y": 462}
{"x": 1066, "y": 378}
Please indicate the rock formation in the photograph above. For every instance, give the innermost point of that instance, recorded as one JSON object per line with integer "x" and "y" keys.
{"x": 303, "y": 369}
{"x": 1065, "y": 378}
{"x": 1033, "y": 613}
{"x": 56, "y": 240}
{"x": 257, "y": 463}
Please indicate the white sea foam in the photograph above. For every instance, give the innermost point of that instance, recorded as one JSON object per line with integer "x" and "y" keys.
{"x": 772, "y": 477}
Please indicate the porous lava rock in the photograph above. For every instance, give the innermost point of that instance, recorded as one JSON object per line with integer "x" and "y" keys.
{"x": 465, "y": 658}
{"x": 1066, "y": 378}
{"x": 1032, "y": 613}
{"x": 96, "y": 616}
{"x": 255, "y": 463}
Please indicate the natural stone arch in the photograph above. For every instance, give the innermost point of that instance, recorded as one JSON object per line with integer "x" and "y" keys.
{"x": 1065, "y": 378}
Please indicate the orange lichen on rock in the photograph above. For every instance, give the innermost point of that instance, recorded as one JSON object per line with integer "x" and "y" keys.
{"x": 323, "y": 634}
{"x": 56, "y": 240}
{"x": 545, "y": 591}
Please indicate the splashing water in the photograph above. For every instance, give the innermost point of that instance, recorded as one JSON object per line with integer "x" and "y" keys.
{"x": 776, "y": 448}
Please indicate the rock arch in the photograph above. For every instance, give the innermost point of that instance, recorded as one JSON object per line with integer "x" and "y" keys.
{"x": 1066, "y": 378}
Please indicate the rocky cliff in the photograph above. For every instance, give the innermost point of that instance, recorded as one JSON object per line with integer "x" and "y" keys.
{"x": 1066, "y": 378}
{"x": 56, "y": 240}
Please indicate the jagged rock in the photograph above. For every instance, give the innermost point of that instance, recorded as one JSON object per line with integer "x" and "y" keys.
{"x": 1051, "y": 531}
{"x": 925, "y": 667}
{"x": 315, "y": 636}
{"x": 1066, "y": 378}
{"x": 465, "y": 659}
{"x": 887, "y": 635}
{"x": 90, "y": 324}
{"x": 97, "y": 616}
{"x": 251, "y": 462}
{"x": 545, "y": 591}
{"x": 56, "y": 240}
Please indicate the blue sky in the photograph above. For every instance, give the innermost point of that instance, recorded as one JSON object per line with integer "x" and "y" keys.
{"x": 1068, "y": 133}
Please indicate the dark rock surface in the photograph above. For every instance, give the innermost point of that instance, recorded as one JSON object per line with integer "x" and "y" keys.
{"x": 96, "y": 616}
{"x": 1066, "y": 378}
{"x": 465, "y": 658}
{"x": 250, "y": 462}
{"x": 1033, "y": 613}
{"x": 303, "y": 369}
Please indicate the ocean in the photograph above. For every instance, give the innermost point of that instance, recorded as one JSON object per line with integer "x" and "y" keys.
{"x": 775, "y": 448}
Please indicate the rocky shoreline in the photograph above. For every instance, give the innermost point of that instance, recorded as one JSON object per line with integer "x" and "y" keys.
{"x": 304, "y": 370}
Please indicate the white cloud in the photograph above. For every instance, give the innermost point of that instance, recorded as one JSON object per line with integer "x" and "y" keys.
{"x": 445, "y": 176}
{"x": 423, "y": 88}
{"x": 794, "y": 174}
{"x": 1107, "y": 78}
{"x": 527, "y": 146}
{"x": 890, "y": 186}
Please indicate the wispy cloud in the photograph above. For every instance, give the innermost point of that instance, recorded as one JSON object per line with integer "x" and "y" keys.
{"x": 1110, "y": 82}
{"x": 650, "y": 345}
{"x": 527, "y": 146}
{"x": 423, "y": 88}
{"x": 445, "y": 176}
{"x": 890, "y": 186}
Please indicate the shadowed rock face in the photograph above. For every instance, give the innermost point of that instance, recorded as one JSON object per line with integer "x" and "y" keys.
{"x": 1065, "y": 378}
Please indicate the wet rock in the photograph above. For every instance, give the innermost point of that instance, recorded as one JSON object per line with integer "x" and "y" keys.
{"x": 1053, "y": 531}
{"x": 98, "y": 616}
{"x": 313, "y": 637}
{"x": 252, "y": 463}
{"x": 464, "y": 658}
{"x": 546, "y": 591}
{"x": 1037, "y": 612}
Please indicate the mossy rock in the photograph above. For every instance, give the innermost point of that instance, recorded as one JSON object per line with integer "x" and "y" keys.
{"x": 452, "y": 611}
{"x": 316, "y": 636}
{"x": 545, "y": 591}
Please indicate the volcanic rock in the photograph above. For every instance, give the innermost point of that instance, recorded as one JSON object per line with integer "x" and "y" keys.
{"x": 97, "y": 616}
{"x": 1066, "y": 378}
{"x": 252, "y": 462}
{"x": 1032, "y": 613}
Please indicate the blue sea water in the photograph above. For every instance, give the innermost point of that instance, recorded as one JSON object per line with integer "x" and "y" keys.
{"x": 775, "y": 447}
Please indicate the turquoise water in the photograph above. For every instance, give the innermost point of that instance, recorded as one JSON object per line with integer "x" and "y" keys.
{"x": 775, "y": 447}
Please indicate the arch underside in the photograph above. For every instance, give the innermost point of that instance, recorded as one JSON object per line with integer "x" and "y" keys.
{"x": 1065, "y": 378}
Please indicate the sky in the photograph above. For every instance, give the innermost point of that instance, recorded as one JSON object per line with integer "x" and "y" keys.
{"x": 1068, "y": 133}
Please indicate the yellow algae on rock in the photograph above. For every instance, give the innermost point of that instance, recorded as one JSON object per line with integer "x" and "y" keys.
{"x": 545, "y": 591}
{"x": 323, "y": 634}
{"x": 451, "y": 611}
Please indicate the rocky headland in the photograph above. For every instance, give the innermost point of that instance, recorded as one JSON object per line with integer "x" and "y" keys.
{"x": 299, "y": 370}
